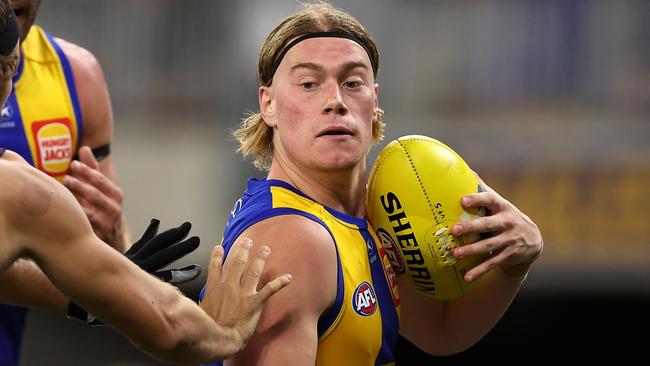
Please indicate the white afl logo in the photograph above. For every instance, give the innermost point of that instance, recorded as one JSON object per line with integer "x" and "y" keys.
{"x": 364, "y": 300}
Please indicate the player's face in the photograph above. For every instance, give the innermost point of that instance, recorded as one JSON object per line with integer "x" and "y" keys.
{"x": 25, "y": 14}
{"x": 321, "y": 104}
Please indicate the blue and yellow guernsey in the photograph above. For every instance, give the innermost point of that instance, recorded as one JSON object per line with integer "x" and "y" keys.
{"x": 41, "y": 119}
{"x": 361, "y": 327}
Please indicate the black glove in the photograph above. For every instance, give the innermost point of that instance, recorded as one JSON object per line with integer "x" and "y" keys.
{"x": 151, "y": 253}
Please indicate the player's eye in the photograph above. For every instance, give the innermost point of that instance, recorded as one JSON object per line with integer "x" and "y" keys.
{"x": 352, "y": 84}
{"x": 308, "y": 85}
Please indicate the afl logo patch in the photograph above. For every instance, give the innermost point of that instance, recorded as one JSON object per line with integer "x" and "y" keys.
{"x": 364, "y": 300}
{"x": 392, "y": 251}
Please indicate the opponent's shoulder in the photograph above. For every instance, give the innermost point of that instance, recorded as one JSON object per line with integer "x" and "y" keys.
{"x": 27, "y": 194}
{"x": 24, "y": 185}
{"x": 15, "y": 173}
{"x": 82, "y": 61}
{"x": 38, "y": 209}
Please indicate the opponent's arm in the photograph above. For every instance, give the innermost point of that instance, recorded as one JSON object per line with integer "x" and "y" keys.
{"x": 446, "y": 327}
{"x": 93, "y": 179}
{"x": 51, "y": 228}
{"x": 287, "y": 333}
{"x": 23, "y": 283}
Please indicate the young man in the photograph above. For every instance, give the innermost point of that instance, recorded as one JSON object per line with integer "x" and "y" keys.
{"x": 60, "y": 108}
{"x": 318, "y": 119}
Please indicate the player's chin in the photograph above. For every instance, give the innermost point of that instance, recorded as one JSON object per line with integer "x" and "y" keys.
{"x": 338, "y": 162}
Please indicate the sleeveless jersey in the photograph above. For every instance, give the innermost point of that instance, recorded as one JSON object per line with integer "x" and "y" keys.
{"x": 361, "y": 327}
{"x": 41, "y": 121}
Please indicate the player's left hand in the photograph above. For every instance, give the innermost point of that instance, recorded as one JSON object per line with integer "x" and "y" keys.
{"x": 100, "y": 197}
{"x": 514, "y": 241}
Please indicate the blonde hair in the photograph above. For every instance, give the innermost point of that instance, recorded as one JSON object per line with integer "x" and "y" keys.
{"x": 254, "y": 136}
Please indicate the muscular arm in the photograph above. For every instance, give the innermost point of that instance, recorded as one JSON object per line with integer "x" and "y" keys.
{"x": 40, "y": 219}
{"x": 23, "y": 283}
{"x": 287, "y": 332}
{"x": 94, "y": 183}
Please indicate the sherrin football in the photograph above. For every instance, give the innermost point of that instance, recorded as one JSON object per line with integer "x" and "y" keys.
{"x": 413, "y": 199}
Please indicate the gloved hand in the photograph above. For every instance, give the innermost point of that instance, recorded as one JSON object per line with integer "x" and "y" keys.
{"x": 151, "y": 253}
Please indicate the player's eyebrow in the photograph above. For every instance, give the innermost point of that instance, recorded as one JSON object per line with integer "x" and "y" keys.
{"x": 349, "y": 66}
{"x": 308, "y": 65}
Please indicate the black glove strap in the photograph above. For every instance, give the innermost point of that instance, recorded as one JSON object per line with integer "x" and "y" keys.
{"x": 76, "y": 312}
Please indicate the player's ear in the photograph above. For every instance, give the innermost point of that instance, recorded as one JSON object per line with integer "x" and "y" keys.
{"x": 376, "y": 87}
{"x": 266, "y": 106}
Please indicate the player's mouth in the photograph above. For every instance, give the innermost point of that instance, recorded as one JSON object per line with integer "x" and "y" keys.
{"x": 335, "y": 131}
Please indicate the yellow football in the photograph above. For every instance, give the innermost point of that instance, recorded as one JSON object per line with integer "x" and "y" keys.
{"x": 412, "y": 200}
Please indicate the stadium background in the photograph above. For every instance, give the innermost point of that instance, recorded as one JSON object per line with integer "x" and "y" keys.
{"x": 548, "y": 100}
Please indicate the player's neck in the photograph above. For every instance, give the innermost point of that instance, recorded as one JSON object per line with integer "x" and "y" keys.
{"x": 343, "y": 191}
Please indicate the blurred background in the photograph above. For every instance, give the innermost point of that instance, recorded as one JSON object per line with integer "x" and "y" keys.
{"x": 549, "y": 101}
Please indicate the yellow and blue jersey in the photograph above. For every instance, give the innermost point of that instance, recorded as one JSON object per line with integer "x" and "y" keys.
{"x": 361, "y": 327}
{"x": 41, "y": 121}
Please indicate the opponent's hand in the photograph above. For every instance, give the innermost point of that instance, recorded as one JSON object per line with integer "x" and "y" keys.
{"x": 231, "y": 297}
{"x": 155, "y": 251}
{"x": 152, "y": 253}
{"x": 100, "y": 197}
{"x": 514, "y": 241}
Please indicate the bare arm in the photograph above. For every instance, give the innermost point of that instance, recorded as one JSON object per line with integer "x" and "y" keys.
{"x": 23, "y": 283}
{"x": 446, "y": 327}
{"x": 94, "y": 183}
{"x": 287, "y": 332}
{"x": 152, "y": 314}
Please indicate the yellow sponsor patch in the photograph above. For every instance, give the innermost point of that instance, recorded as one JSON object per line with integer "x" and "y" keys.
{"x": 53, "y": 145}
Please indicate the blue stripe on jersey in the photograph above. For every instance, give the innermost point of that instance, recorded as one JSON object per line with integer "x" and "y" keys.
{"x": 12, "y": 131}
{"x": 69, "y": 79}
{"x": 388, "y": 312}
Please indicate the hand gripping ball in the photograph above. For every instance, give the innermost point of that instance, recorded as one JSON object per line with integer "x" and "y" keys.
{"x": 413, "y": 199}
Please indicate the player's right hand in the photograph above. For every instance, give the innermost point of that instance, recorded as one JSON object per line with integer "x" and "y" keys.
{"x": 231, "y": 297}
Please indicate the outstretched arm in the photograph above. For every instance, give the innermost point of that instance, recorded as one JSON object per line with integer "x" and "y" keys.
{"x": 23, "y": 283}
{"x": 44, "y": 222}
